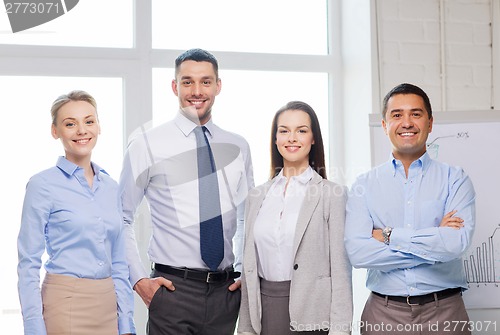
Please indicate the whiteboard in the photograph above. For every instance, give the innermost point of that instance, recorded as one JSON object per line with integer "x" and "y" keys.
{"x": 470, "y": 139}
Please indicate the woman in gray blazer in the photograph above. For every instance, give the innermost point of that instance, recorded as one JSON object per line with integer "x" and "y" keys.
{"x": 296, "y": 274}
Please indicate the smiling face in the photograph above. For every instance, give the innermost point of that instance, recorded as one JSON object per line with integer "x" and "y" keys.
{"x": 196, "y": 85}
{"x": 294, "y": 138}
{"x": 408, "y": 125}
{"x": 77, "y": 127}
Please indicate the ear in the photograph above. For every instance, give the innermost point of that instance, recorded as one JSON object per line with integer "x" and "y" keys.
{"x": 384, "y": 125}
{"x": 174, "y": 88}
{"x": 53, "y": 131}
{"x": 431, "y": 122}
{"x": 219, "y": 86}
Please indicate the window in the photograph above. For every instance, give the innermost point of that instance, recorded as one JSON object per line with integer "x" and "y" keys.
{"x": 247, "y": 104}
{"x": 91, "y": 23}
{"x": 278, "y": 26}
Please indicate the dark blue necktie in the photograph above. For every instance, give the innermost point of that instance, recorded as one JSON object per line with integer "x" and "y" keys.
{"x": 211, "y": 234}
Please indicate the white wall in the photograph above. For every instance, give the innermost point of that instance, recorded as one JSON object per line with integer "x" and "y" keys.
{"x": 357, "y": 37}
{"x": 444, "y": 46}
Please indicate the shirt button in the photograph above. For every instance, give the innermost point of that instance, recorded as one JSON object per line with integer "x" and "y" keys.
{"x": 296, "y": 266}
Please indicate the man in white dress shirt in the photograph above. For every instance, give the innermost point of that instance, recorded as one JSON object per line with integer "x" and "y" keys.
{"x": 183, "y": 295}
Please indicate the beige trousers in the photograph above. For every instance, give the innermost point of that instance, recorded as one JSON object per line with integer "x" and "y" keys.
{"x": 446, "y": 316}
{"x": 76, "y": 306}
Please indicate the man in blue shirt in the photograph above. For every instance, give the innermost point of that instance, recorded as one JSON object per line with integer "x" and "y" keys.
{"x": 408, "y": 222}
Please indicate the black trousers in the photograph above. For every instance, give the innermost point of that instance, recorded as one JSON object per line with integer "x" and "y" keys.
{"x": 193, "y": 308}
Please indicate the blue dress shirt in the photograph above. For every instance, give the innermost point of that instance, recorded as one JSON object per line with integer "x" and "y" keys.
{"x": 80, "y": 228}
{"x": 421, "y": 257}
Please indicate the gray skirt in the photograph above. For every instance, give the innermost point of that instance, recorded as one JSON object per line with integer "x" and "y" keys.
{"x": 275, "y": 298}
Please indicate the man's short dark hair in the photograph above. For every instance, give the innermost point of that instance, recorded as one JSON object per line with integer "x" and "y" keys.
{"x": 406, "y": 88}
{"x": 198, "y": 55}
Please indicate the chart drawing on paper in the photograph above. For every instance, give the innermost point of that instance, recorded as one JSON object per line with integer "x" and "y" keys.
{"x": 482, "y": 266}
{"x": 433, "y": 145}
{"x": 474, "y": 146}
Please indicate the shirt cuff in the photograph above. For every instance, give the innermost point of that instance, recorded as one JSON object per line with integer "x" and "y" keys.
{"x": 400, "y": 240}
{"x": 34, "y": 327}
{"x": 126, "y": 325}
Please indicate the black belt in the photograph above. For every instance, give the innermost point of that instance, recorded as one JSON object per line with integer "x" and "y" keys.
{"x": 200, "y": 275}
{"x": 422, "y": 299}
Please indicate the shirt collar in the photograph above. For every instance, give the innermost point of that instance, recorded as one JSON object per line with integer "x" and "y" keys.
{"x": 303, "y": 178}
{"x": 187, "y": 126}
{"x": 424, "y": 161}
{"x": 69, "y": 167}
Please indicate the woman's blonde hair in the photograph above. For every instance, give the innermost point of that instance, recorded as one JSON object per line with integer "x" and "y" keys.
{"x": 76, "y": 95}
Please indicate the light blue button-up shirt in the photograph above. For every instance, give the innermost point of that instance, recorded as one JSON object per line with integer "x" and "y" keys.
{"x": 81, "y": 230}
{"x": 421, "y": 257}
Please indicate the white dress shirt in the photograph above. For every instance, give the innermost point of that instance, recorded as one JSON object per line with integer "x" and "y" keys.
{"x": 160, "y": 165}
{"x": 275, "y": 224}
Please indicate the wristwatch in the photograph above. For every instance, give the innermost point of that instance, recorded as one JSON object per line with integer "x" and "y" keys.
{"x": 386, "y": 233}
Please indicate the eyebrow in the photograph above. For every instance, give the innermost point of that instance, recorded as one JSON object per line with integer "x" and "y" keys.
{"x": 282, "y": 126}
{"x": 74, "y": 118}
{"x": 202, "y": 78}
{"x": 398, "y": 110}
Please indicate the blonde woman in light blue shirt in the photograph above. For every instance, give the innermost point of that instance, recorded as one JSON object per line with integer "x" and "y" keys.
{"x": 72, "y": 211}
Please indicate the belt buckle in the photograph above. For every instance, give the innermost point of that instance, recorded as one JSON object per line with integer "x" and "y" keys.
{"x": 408, "y": 301}
{"x": 208, "y": 280}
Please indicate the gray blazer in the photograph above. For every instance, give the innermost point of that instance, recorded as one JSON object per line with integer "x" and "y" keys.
{"x": 321, "y": 286}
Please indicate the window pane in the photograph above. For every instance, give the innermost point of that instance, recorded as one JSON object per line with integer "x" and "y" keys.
{"x": 91, "y": 23}
{"x": 247, "y": 103}
{"x": 278, "y": 26}
{"x": 28, "y": 148}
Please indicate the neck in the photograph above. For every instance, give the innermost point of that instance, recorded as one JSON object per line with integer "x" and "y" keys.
{"x": 407, "y": 160}
{"x": 192, "y": 115}
{"x": 81, "y": 161}
{"x": 291, "y": 170}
